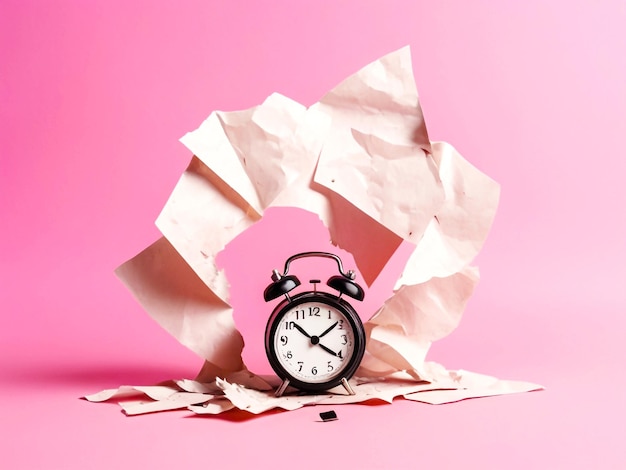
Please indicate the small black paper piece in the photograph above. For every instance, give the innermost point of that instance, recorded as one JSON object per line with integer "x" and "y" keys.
{"x": 328, "y": 415}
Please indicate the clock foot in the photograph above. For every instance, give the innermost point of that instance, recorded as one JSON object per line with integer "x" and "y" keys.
{"x": 347, "y": 386}
{"x": 280, "y": 390}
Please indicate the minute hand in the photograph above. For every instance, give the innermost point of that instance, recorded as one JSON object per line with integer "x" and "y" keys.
{"x": 328, "y": 330}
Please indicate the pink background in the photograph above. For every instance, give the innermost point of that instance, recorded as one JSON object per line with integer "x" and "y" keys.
{"x": 93, "y": 99}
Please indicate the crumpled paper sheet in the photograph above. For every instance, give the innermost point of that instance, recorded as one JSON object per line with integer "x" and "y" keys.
{"x": 254, "y": 394}
{"x": 362, "y": 161}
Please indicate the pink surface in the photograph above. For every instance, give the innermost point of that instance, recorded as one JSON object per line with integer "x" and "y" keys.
{"x": 93, "y": 99}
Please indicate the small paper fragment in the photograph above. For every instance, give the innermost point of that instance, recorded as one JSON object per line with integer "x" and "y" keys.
{"x": 156, "y": 392}
{"x": 249, "y": 379}
{"x": 193, "y": 386}
{"x": 213, "y": 407}
{"x": 105, "y": 395}
{"x": 502, "y": 387}
{"x": 175, "y": 401}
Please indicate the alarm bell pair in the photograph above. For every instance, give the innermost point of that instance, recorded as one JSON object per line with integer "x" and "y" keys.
{"x": 284, "y": 283}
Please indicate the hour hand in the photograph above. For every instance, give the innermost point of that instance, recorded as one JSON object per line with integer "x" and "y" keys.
{"x": 328, "y": 350}
{"x": 301, "y": 330}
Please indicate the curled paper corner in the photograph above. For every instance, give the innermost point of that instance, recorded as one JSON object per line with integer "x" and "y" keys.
{"x": 361, "y": 160}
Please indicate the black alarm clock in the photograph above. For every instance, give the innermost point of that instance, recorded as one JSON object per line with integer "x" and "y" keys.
{"x": 314, "y": 340}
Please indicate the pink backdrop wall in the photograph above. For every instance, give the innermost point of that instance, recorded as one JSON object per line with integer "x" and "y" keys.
{"x": 93, "y": 99}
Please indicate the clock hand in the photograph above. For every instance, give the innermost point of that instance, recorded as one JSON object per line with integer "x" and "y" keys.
{"x": 328, "y": 350}
{"x": 328, "y": 330}
{"x": 314, "y": 339}
{"x": 301, "y": 330}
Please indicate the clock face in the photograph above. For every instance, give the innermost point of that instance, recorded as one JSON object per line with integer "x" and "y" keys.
{"x": 315, "y": 340}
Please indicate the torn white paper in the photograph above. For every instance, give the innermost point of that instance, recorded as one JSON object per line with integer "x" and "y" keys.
{"x": 360, "y": 159}
{"x": 446, "y": 387}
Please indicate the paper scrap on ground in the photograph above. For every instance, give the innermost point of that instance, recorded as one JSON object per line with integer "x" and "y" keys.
{"x": 472, "y": 385}
{"x": 449, "y": 387}
{"x": 360, "y": 159}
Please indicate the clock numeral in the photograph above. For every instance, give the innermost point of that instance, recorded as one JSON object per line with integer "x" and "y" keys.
{"x": 314, "y": 311}
{"x": 284, "y": 339}
{"x": 340, "y": 354}
{"x": 329, "y": 314}
{"x": 314, "y": 370}
{"x": 288, "y": 355}
{"x": 330, "y": 367}
{"x": 289, "y": 325}
{"x": 298, "y": 313}
{"x": 343, "y": 337}
{"x": 340, "y": 327}
{"x": 300, "y": 366}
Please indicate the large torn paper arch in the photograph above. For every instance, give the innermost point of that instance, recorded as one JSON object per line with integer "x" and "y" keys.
{"x": 361, "y": 160}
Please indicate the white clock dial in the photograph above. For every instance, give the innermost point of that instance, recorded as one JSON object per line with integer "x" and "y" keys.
{"x": 314, "y": 342}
